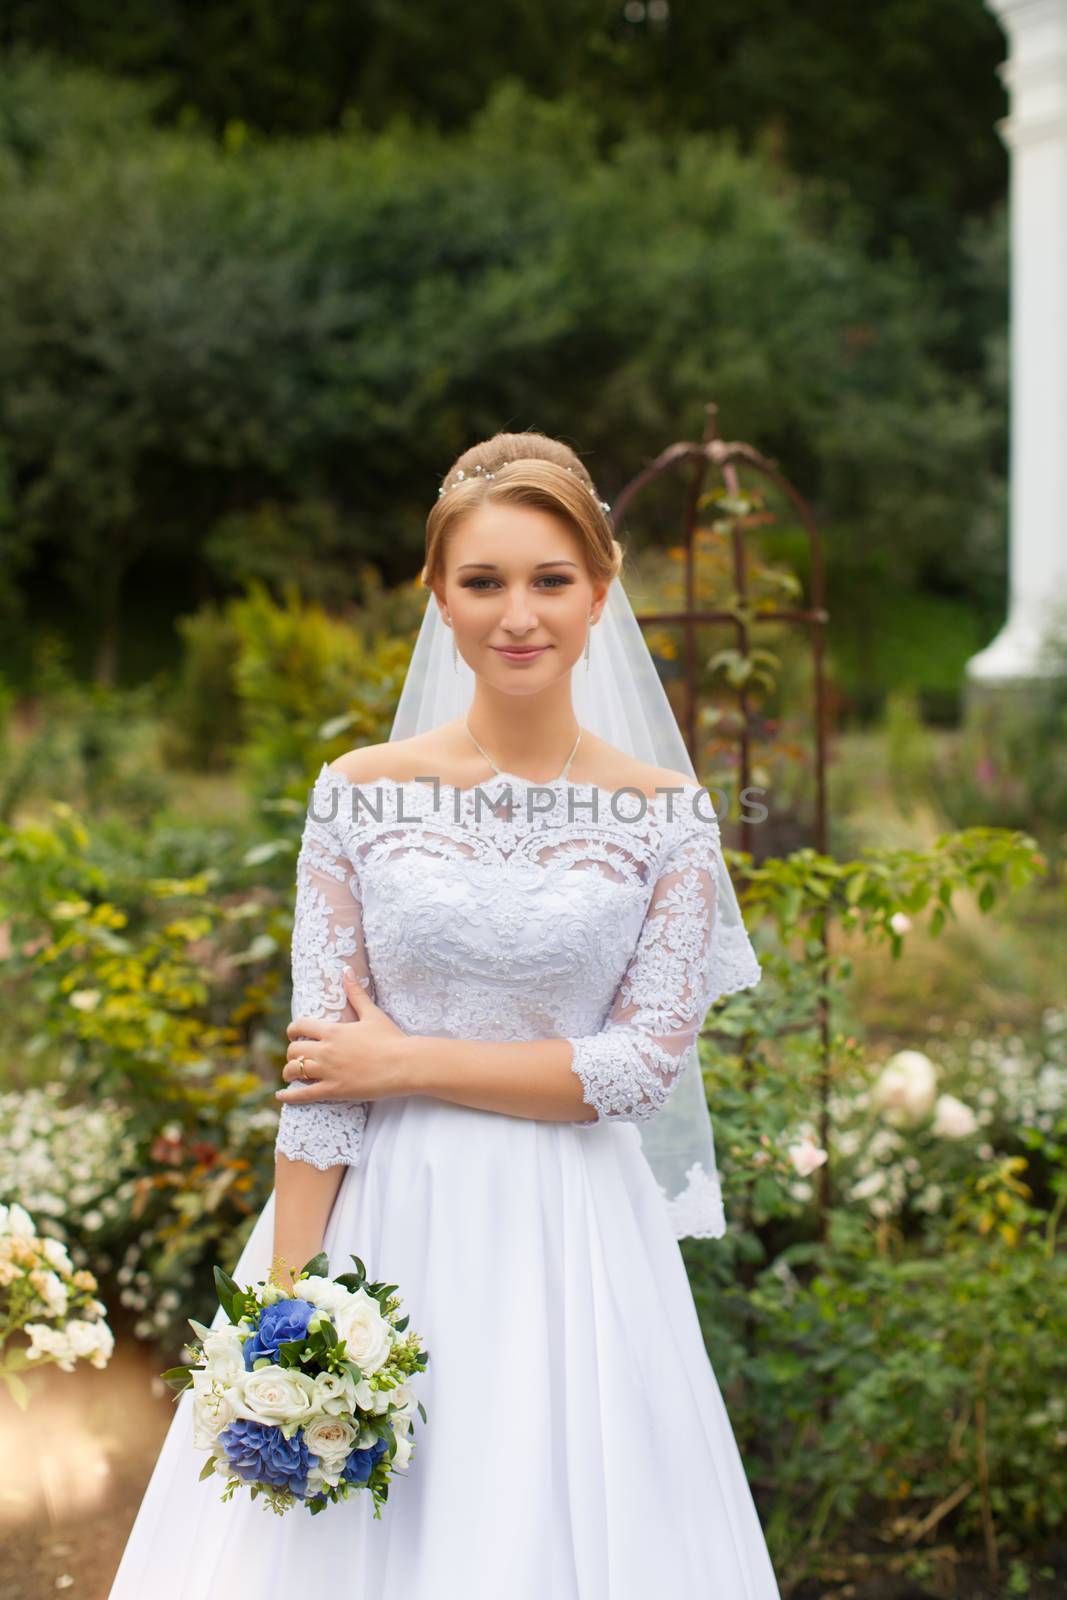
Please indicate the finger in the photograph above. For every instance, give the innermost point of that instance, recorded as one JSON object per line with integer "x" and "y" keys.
{"x": 296, "y": 1093}
{"x": 300, "y": 1047}
{"x": 295, "y": 1072}
{"x": 357, "y": 994}
{"x": 308, "y": 1028}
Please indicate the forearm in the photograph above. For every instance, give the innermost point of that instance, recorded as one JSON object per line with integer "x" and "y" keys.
{"x": 524, "y": 1078}
{"x": 303, "y": 1199}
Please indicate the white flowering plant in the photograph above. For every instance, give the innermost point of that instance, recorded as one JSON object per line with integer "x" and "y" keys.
{"x": 64, "y": 1158}
{"x": 305, "y": 1395}
{"x": 43, "y": 1296}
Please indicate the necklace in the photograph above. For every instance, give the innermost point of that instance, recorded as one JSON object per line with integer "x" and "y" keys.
{"x": 500, "y": 774}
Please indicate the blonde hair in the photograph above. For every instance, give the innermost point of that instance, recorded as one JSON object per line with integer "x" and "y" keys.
{"x": 528, "y": 469}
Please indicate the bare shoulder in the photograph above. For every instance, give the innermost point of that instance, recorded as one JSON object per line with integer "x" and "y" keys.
{"x": 390, "y": 759}
{"x": 654, "y": 780}
{"x": 424, "y": 755}
{"x": 611, "y": 768}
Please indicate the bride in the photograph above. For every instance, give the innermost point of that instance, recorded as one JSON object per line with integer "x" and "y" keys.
{"x": 511, "y": 919}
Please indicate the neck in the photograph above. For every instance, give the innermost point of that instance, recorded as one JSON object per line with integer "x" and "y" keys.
{"x": 532, "y": 734}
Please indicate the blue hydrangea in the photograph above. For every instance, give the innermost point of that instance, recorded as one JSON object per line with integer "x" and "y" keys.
{"x": 259, "y": 1452}
{"x": 360, "y": 1463}
{"x": 284, "y": 1320}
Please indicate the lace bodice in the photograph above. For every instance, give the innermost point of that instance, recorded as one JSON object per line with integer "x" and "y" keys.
{"x": 582, "y": 913}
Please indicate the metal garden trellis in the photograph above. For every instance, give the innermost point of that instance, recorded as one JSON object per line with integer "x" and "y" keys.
{"x": 726, "y": 456}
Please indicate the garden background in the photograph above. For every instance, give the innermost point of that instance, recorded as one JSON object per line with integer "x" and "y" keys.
{"x": 262, "y": 277}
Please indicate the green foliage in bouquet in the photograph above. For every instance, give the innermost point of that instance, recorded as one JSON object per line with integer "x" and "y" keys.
{"x": 223, "y": 1404}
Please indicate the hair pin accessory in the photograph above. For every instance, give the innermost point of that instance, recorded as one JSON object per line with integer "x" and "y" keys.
{"x": 478, "y": 471}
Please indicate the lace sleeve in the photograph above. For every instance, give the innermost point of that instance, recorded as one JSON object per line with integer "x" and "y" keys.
{"x": 686, "y": 957}
{"x": 327, "y": 936}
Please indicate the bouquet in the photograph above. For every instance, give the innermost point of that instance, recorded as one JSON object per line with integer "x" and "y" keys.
{"x": 304, "y": 1395}
{"x": 43, "y": 1296}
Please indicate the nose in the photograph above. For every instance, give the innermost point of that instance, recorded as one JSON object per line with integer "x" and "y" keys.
{"x": 518, "y": 618}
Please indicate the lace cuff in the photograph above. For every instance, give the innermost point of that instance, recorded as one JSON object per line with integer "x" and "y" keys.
{"x": 619, "y": 1078}
{"x": 328, "y": 1133}
{"x": 684, "y": 959}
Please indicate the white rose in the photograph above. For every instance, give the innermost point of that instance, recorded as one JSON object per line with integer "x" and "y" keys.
{"x": 403, "y": 1396}
{"x": 214, "y": 1408}
{"x": 953, "y": 1119}
{"x": 55, "y": 1252}
{"x": 276, "y": 1395}
{"x": 335, "y": 1393}
{"x": 806, "y": 1156}
{"x": 367, "y": 1334}
{"x": 222, "y": 1351}
{"x": 906, "y": 1087}
{"x": 900, "y": 922}
{"x": 364, "y": 1395}
{"x": 332, "y": 1440}
{"x": 323, "y": 1292}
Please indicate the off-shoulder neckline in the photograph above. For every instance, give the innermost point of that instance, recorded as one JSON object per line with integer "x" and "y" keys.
{"x": 677, "y": 793}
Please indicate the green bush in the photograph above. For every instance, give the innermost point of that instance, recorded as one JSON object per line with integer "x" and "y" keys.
{"x": 918, "y": 1382}
{"x": 258, "y": 358}
{"x": 204, "y": 726}
{"x": 306, "y": 681}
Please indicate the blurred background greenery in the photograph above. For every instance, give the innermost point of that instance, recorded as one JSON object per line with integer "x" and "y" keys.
{"x": 263, "y": 273}
{"x": 262, "y": 278}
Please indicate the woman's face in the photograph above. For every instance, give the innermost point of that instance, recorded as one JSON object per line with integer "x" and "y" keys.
{"x": 516, "y": 576}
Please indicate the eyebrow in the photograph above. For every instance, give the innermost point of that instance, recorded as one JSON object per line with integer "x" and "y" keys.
{"x": 491, "y": 566}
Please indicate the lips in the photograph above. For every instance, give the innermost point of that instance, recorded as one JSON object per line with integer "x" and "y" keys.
{"x": 520, "y": 654}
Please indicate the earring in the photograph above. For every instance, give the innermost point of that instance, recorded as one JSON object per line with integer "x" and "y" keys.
{"x": 455, "y": 655}
{"x": 588, "y": 636}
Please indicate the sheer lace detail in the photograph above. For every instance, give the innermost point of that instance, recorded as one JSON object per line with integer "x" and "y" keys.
{"x": 573, "y": 912}
{"x": 698, "y": 1212}
{"x": 684, "y": 960}
{"x": 506, "y": 820}
{"x": 327, "y": 936}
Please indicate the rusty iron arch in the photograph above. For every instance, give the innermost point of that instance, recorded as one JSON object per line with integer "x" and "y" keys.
{"x": 727, "y": 457}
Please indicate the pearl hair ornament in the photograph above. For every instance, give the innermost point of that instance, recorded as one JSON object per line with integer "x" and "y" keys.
{"x": 479, "y": 471}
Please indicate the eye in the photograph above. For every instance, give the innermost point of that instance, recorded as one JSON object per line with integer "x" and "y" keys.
{"x": 555, "y": 580}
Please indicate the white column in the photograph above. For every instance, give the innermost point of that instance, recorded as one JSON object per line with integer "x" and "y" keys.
{"x": 1035, "y": 133}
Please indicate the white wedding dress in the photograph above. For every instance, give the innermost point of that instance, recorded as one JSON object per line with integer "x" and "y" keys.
{"x": 576, "y": 1445}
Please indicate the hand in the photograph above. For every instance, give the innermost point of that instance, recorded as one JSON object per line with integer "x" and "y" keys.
{"x": 361, "y": 1060}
